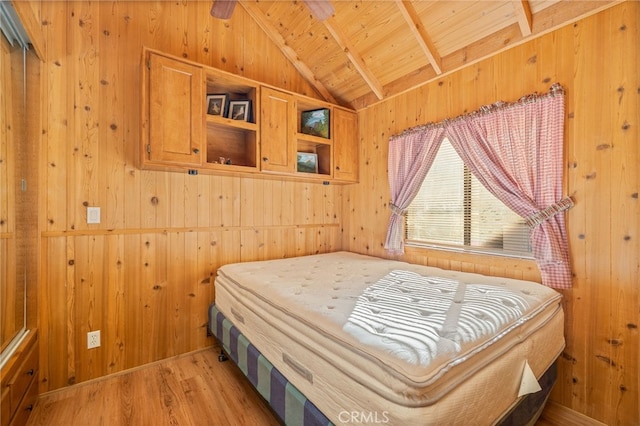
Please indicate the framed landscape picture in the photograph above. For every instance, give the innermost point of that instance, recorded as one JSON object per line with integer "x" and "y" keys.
{"x": 307, "y": 162}
{"x": 315, "y": 122}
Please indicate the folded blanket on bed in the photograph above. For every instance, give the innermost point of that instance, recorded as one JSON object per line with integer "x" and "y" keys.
{"x": 418, "y": 318}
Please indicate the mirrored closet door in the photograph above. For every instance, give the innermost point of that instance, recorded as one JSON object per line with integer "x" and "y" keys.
{"x": 18, "y": 171}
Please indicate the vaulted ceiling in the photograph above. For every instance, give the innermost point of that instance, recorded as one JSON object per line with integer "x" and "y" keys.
{"x": 369, "y": 50}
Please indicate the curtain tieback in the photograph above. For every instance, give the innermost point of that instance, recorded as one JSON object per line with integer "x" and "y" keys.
{"x": 397, "y": 210}
{"x": 540, "y": 216}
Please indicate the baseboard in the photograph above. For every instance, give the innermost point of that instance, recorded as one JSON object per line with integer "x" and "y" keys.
{"x": 557, "y": 414}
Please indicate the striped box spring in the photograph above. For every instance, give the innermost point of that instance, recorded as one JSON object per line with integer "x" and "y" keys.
{"x": 289, "y": 403}
{"x": 293, "y": 408}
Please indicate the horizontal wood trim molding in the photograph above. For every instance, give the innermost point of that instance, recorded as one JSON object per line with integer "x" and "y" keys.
{"x": 86, "y": 232}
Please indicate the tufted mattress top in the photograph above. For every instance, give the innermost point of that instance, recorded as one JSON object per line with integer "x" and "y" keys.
{"x": 299, "y": 312}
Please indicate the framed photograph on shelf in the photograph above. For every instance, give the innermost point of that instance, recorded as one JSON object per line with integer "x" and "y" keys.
{"x": 307, "y": 162}
{"x": 217, "y": 104}
{"x": 240, "y": 110}
{"x": 315, "y": 122}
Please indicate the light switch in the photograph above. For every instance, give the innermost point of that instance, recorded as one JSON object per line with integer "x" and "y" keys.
{"x": 93, "y": 214}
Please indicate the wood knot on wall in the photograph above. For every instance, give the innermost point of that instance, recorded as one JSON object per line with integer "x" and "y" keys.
{"x": 606, "y": 359}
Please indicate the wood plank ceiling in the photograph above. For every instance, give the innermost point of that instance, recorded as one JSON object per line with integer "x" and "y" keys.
{"x": 369, "y": 50}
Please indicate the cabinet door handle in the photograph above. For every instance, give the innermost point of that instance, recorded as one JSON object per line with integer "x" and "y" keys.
{"x": 30, "y": 372}
{"x": 196, "y": 151}
{"x": 265, "y": 159}
{"x": 337, "y": 167}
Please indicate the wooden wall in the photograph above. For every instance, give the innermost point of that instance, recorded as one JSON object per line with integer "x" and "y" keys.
{"x": 597, "y": 61}
{"x": 144, "y": 275}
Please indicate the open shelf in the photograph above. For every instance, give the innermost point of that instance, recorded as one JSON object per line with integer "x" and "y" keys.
{"x": 310, "y": 143}
{"x": 232, "y": 144}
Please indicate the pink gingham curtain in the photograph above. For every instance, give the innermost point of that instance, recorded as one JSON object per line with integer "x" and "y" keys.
{"x": 411, "y": 155}
{"x": 515, "y": 151}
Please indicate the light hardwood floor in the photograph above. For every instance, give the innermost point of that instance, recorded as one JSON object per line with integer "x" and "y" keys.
{"x": 189, "y": 390}
{"x": 193, "y": 389}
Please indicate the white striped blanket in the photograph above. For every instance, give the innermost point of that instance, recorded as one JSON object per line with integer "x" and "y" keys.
{"x": 419, "y": 318}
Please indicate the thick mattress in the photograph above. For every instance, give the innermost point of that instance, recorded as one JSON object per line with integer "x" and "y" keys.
{"x": 299, "y": 313}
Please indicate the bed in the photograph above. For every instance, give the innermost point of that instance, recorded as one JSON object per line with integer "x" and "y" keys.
{"x": 342, "y": 338}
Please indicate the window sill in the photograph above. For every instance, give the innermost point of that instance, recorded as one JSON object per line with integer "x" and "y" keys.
{"x": 480, "y": 263}
{"x": 470, "y": 250}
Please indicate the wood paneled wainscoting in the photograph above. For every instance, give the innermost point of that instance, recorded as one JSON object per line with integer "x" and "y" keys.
{"x": 147, "y": 291}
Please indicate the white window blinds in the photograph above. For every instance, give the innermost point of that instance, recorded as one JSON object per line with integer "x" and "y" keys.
{"x": 454, "y": 210}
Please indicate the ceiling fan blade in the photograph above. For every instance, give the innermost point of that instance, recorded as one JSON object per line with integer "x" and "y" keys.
{"x": 222, "y": 9}
{"x": 321, "y": 9}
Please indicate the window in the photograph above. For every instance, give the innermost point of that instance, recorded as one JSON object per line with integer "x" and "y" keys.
{"x": 453, "y": 210}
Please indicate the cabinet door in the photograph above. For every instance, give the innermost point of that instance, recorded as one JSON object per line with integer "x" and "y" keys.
{"x": 345, "y": 145}
{"x": 277, "y": 131}
{"x": 176, "y": 111}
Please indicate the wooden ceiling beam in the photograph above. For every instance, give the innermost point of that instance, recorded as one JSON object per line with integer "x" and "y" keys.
{"x": 345, "y": 44}
{"x": 289, "y": 53}
{"x": 546, "y": 21}
{"x": 524, "y": 16}
{"x": 419, "y": 32}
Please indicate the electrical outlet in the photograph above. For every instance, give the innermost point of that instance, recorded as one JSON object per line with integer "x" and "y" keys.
{"x": 93, "y": 339}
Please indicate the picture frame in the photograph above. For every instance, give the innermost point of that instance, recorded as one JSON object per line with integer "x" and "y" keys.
{"x": 315, "y": 122}
{"x": 240, "y": 110}
{"x": 217, "y": 104}
{"x": 307, "y": 162}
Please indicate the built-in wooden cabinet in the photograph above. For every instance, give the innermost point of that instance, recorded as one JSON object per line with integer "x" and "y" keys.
{"x": 277, "y": 130}
{"x": 175, "y": 112}
{"x": 186, "y": 128}
{"x": 19, "y": 382}
{"x": 345, "y": 147}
